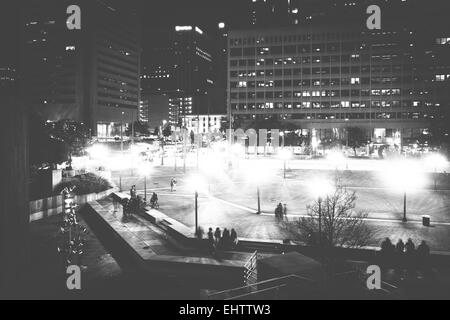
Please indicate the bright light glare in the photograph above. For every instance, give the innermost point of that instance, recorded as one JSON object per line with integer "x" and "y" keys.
{"x": 285, "y": 154}
{"x": 335, "y": 157}
{"x": 118, "y": 162}
{"x": 405, "y": 175}
{"x": 144, "y": 169}
{"x": 98, "y": 151}
{"x": 436, "y": 162}
{"x": 320, "y": 188}
{"x": 237, "y": 149}
{"x": 197, "y": 183}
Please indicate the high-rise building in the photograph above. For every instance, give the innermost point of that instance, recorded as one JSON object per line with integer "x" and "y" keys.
{"x": 324, "y": 79}
{"x": 90, "y": 75}
{"x": 8, "y": 78}
{"x": 178, "y": 62}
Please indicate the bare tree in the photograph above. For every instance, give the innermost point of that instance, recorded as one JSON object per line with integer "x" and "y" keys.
{"x": 332, "y": 221}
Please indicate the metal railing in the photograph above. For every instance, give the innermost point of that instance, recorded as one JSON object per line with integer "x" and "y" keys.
{"x": 266, "y": 286}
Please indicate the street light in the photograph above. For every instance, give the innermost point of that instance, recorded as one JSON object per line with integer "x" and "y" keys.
{"x": 144, "y": 170}
{"x": 404, "y": 176}
{"x": 121, "y": 132}
{"x": 336, "y": 159}
{"x": 196, "y": 213}
{"x": 256, "y": 173}
{"x": 285, "y": 155}
{"x": 320, "y": 188}
{"x": 198, "y": 184}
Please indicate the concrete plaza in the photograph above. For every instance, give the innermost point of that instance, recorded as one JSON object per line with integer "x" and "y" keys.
{"x": 228, "y": 197}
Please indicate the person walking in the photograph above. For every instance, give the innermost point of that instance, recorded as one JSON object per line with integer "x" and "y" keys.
{"x": 279, "y": 212}
{"x": 285, "y": 212}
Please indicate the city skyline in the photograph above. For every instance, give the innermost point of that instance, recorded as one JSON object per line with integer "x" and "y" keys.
{"x": 225, "y": 150}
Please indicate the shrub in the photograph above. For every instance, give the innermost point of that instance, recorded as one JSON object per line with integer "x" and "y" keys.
{"x": 84, "y": 183}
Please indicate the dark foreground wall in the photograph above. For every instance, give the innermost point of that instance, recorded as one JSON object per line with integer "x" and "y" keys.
{"x": 14, "y": 212}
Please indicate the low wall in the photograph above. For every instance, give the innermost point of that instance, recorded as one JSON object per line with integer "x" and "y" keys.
{"x": 50, "y": 206}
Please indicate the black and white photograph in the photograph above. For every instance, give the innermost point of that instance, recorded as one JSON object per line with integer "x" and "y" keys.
{"x": 210, "y": 152}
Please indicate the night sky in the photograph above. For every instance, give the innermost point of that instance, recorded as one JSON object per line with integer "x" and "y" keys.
{"x": 203, "y": 13}
{"x": 9, "y": 21}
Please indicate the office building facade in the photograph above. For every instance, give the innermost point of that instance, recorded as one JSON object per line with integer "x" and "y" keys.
{"x": 178, "y": 62}
{"x": 89, "y": 75}
{"x": 393, "y": 84}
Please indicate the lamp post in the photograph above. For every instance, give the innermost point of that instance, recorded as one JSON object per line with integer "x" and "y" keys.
{"x": 285, "y": 155}
{"x": 144, "y": 170}
{"x": 175, "y": 156}
{"x": 121, "y": 132}
{"x": 196, "y": 212}
{"x": 259, "y": 200}
{"x": 404, "y": 206}
{"x": 404, "y": 176}
{"x": 145, "y": 188}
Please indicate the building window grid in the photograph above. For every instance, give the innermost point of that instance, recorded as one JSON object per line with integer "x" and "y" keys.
{"x": 291, "y": 97}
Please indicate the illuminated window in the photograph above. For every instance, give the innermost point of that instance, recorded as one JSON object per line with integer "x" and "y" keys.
{"x": 443, "y": 41}
{"x": 355, "y": 81}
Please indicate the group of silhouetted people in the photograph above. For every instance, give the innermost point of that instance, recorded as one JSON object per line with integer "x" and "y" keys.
{"x": 405, "y": 255}
{"x": 222, "y": 240}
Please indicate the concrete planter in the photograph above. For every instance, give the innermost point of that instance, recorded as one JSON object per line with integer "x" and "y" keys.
{"x": 50, "y": 206}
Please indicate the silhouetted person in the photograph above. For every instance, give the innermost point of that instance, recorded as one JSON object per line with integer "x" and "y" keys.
{"x": 279, "y": 211}
{"x": 399, "y": 253}
{"x": 387, "y": 250}
{"x": 173, "y": 184}
{"x": 225, "y": 238}
{"x": 233, "y": 237}
{"x": 285, "y": 211}
{"x": 423, "y": 256}
{"x": 133, "y": 192}
{"x": 210, "y": 235}
{"x": 410, "y": 254}
{"x": 217, "y": 235}
{"x": 211, "y": 244}
{"x": 409, "y": 247}
{"x": 154, "y": 200}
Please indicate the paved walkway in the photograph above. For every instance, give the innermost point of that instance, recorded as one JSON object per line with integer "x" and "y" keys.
{"x": 151, "y": 242}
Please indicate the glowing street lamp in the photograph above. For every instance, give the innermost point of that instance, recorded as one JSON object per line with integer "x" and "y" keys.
{"x": 256, "y": 174}
{"x": 437, "y": 163}
{"x": 285, "y": 155}
{"x": 336, "y": 159}
{"x": 315, "y": 143}
{"x": 237, "y": 150}
{"x": 144, "y": 170}
{"x": 320, "y": 188}
{"x": 199, "y": 185}
{"x": 98, "y": 152}
{"x": 404, "y": 176}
